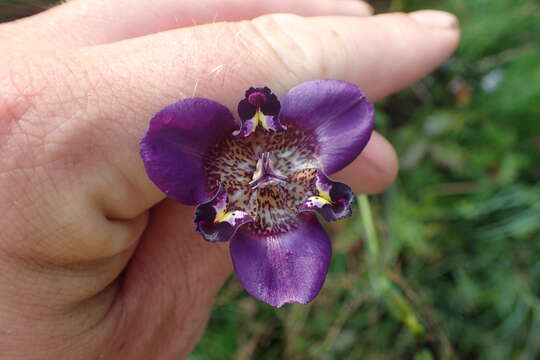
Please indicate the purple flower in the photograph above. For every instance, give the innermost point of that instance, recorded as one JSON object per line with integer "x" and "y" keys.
{"x": 259, "y": 184}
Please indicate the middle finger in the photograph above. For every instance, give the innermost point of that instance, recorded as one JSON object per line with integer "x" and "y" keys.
{"x": 82, "y": 22}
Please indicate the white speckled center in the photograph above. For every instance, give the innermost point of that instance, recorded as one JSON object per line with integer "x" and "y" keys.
{"x": 275, "y": 207}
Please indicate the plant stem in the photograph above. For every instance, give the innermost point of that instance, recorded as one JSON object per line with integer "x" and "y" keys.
{"x": 398, "y": 304}
{"x": 369, "y": 226}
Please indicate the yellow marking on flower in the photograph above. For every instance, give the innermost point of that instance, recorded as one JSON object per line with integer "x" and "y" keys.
{"x": 325, "y": 195}
{"x": 224, "y": 216}
{"x": 320, "y": 199}
{"x": 220, "y": 215}
{"x": 259, "y": 118}
{"x": 262, "y": 119}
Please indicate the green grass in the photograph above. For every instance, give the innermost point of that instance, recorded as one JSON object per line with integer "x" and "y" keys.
{"x": 452, "y": 269}
{"x": 457, "y": 271}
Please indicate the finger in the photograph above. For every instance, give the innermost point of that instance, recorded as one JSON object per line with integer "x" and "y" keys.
{"x": 175, "y": 273}
{"x": 220, "y": 61}
{"x": 83, "y": 22}
{"x": 374, "y": 169}
{"x": 118, "y": 94}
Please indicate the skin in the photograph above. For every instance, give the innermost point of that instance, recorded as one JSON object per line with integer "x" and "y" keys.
{"x": 94, "y": 262}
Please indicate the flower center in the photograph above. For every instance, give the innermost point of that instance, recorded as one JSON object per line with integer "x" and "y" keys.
{"x": 265, "y": 174}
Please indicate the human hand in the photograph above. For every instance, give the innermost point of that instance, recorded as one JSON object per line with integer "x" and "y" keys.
{"x": 94, "y": 263}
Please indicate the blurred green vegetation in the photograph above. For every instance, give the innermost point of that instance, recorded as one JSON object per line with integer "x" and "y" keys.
{"x": 452, "y": 268}
{"x": 457, "y": 271}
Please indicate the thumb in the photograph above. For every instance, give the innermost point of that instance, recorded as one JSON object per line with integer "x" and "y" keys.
{"x": 169, "y": 286}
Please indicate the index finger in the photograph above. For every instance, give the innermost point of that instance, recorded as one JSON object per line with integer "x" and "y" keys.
{"x": 122, "y": 85}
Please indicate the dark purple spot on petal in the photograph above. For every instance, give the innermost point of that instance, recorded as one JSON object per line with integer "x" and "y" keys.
{"x": 246, "y": 111}
{"x": 272, "y": 106}
{"x": 257, "y": 99}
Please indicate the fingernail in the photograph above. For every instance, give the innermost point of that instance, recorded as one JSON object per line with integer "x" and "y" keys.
{"x": 435, "y": 18}
{"x": 354, "y": 7}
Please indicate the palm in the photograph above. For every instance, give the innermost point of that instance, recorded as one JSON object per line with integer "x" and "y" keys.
{"x": 166, "y": 291}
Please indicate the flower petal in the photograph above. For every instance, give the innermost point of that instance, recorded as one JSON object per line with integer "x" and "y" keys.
{"x": 338, "y": 115}
{"x": 258, "y": 98}
{"x": 284, "y": 268}
{"x": 176, "y": 141}
{"x": 215, "y": 223}
{"x": 333, "y": 201}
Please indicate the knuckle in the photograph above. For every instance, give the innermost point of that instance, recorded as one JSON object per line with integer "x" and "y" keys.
{"x": 34, "y": 106}
{"x": 16, "y": 89}
{"x": 288, "y": 44}
{"x": 73, "y": 238}
{"x": 45, "y": 167}
{"x": 87, "y": 238}
{"x": 41, "y": 90}
{"x": 23, "y": 138}
{"x": 45, "y": 96}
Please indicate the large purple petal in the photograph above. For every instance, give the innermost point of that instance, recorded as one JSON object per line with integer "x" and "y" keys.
{"x": 338, "y": 115}
{"x": 290, "y": 267}
{"x": 175, "y": 143}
